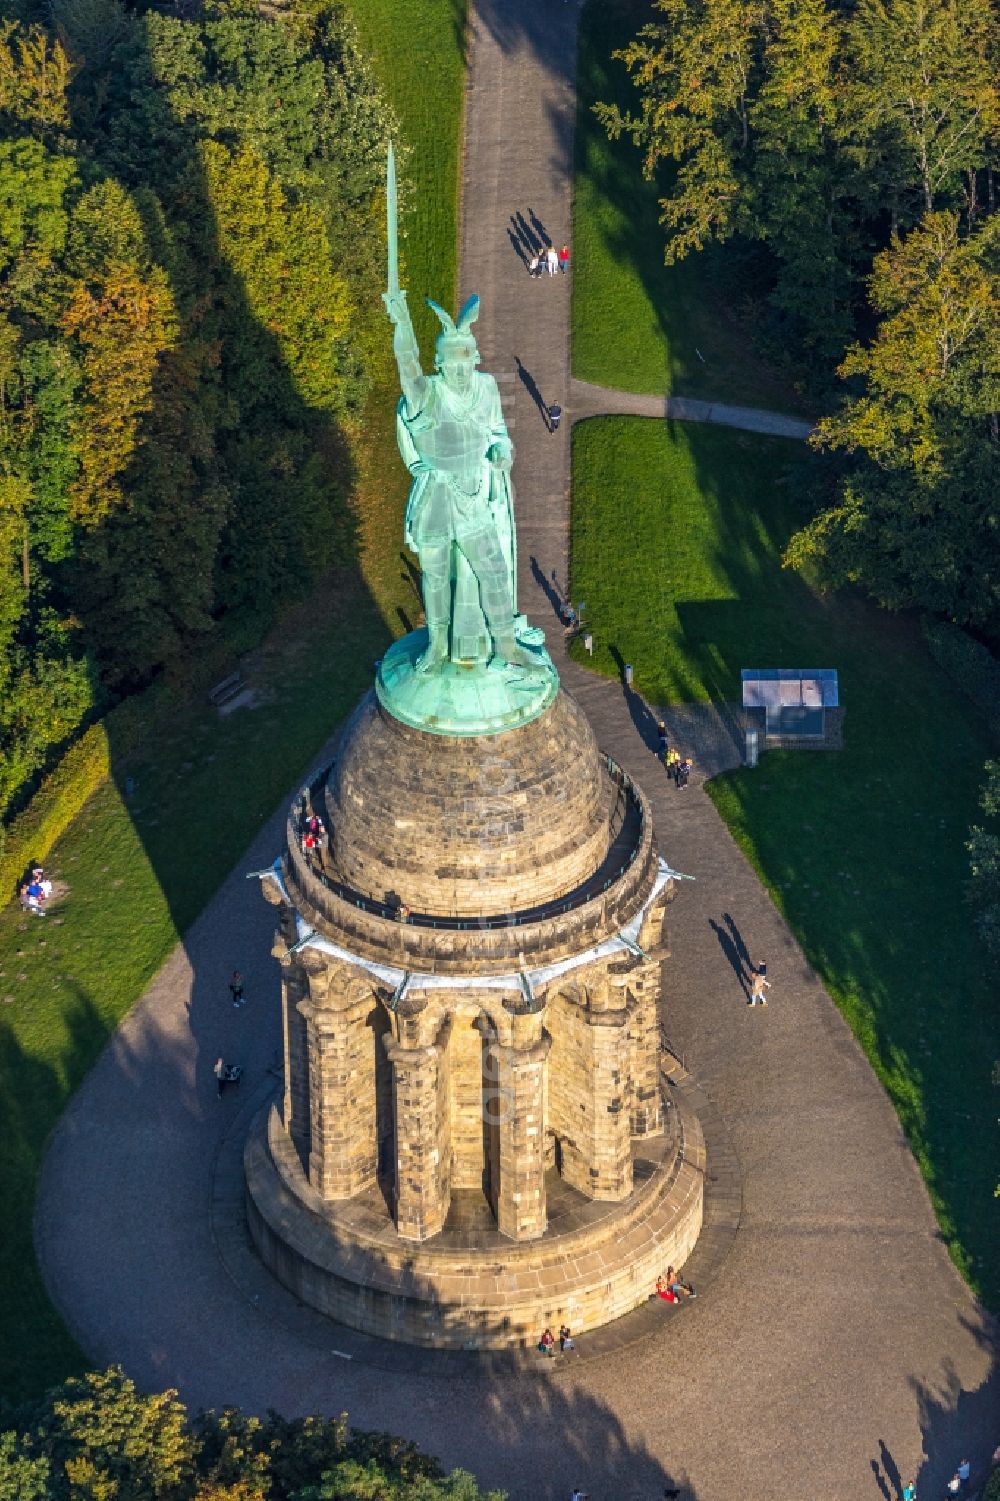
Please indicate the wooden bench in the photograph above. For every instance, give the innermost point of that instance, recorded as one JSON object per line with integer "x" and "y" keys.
{"x": 226, "y": 690}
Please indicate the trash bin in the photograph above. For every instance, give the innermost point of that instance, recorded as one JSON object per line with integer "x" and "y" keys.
{"x": 628, "y": 674}
{"x": 588, "y": 642}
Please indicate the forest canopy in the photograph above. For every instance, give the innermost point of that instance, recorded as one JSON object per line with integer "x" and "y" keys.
{"x": 847, "y": 152}
{"x": 187, "y": 211}
{"x": 96, "y": 1438}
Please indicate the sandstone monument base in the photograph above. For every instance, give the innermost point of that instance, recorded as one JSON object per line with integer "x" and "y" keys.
{"x": 473, "y": 1141}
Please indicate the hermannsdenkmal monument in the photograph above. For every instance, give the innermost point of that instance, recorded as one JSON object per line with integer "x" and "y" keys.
{"x": 474, "y": 1138}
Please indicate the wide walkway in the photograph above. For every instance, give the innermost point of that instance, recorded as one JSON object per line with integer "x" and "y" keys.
{"x": 835, "y": 1347}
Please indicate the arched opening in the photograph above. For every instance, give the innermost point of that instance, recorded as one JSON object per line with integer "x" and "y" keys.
{"x": 385, "y": 1123}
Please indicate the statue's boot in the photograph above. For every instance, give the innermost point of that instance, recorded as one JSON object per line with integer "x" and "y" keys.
{"x": 437, "y": 647}
{"x": 508, "y": 654}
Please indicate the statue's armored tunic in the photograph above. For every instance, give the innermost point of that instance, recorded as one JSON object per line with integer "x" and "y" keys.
{"x": 444, "y": 446}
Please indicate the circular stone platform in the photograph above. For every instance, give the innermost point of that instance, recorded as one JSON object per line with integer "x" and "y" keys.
{"x": 466, "y": 699}
{"x": 470, "y": 1288}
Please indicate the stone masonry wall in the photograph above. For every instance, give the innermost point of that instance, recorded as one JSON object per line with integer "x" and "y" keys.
{"x": 466, "y": 1104}
{"x": 343, "y": 1136}
{"x": 452, "y": 1301}
{"x": 295, "y": 1035}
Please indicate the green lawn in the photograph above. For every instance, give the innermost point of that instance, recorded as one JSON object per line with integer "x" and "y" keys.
{"x": 140, "y": 870}
{"x": 418, "y": 47}
{"x": 639, "y": 325}
{"x": 861, "y": 850}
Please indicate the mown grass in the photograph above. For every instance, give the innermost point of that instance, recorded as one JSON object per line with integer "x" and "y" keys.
{"x": 677, "y": 541}
{"x": 639, "y": 325}
{"x": 141, "y": 868}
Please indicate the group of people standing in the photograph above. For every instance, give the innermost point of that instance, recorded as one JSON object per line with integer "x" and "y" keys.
{"x": 550, "y": 260}
{"x": 547, "y": 1343}
{"x": 35, "y": 893}
{"x": 315, "y": 840}
{"x": 678, "y": 767}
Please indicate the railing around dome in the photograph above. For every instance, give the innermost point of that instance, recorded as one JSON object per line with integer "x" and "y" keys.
{"x": 627, "y": 821}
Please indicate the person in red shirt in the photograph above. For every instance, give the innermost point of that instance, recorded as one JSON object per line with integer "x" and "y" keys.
{"x": 564, "y": 259}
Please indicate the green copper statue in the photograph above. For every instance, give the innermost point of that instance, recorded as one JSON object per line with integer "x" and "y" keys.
{"x": 483, "y": 668}
{"x": 459, "y": 522}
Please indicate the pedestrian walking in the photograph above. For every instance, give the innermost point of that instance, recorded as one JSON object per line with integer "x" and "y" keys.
{"x": 547, "y": 1343}
{"x": 566, "y": 1340}
{"x": 910, "y": 1491}
{"x": 662, "y": 742}
{"x": 564, "y": 259}
{"x": 554, "y": 414}
{"x": 552, "y": 260}
{"x": 954, "y": 1485}
{"x": 219, "y": 1070}
{"x": 964, "y": 1471}
{"x": 535, "y": 266}
{"x": 757, "y": 984}
{"x": 684, "y": 771}
{"x": 673, "y": 762}
{"x": 236, "y": 989}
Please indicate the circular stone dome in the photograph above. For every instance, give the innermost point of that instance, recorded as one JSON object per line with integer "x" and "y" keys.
{"x": 473, "y": 826}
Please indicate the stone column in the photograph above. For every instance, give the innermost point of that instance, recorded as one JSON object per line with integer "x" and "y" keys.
{"x": 343, "y": 1148}
{"x": 295, "y": 1035}
{"x": 423, "y": 1134}
{"x": 597, "y": 1160}
{"x": 519, "y": 1067}
{"x": 644, "y": 1048}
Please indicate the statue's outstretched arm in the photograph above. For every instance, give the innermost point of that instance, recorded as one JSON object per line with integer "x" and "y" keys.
{"x": 412, "y": 379}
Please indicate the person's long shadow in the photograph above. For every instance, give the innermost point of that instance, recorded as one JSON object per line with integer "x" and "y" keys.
{"x": 732, "y": 953}
{"x": 529, "y": 239}
{"x": 519, "y": 249}
{"x": 880, "y": 1481}
{"x": 737, "y": 938}
{"x": 642, "y": 716}
{"x": 528, "y": 382}
{"x": 547, "y": 587}
{"x": 891, "y": 1469}
{"x": 539, "y": 228}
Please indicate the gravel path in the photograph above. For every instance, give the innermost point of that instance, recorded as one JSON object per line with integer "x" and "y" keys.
{"x": 587, "y": 400}
{"x": 836, "y": 1346}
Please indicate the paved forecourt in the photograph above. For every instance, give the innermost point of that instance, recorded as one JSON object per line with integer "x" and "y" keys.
{"x": 834, "y": 1342}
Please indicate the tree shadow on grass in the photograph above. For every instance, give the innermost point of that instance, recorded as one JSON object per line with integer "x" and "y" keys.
{"x": 280, "y": 443}
{"x": 35, "y": 1348}
{"x": 706, "y": 352}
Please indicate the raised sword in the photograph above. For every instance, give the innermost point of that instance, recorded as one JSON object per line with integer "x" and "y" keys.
{"x": 392, "y": 280}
